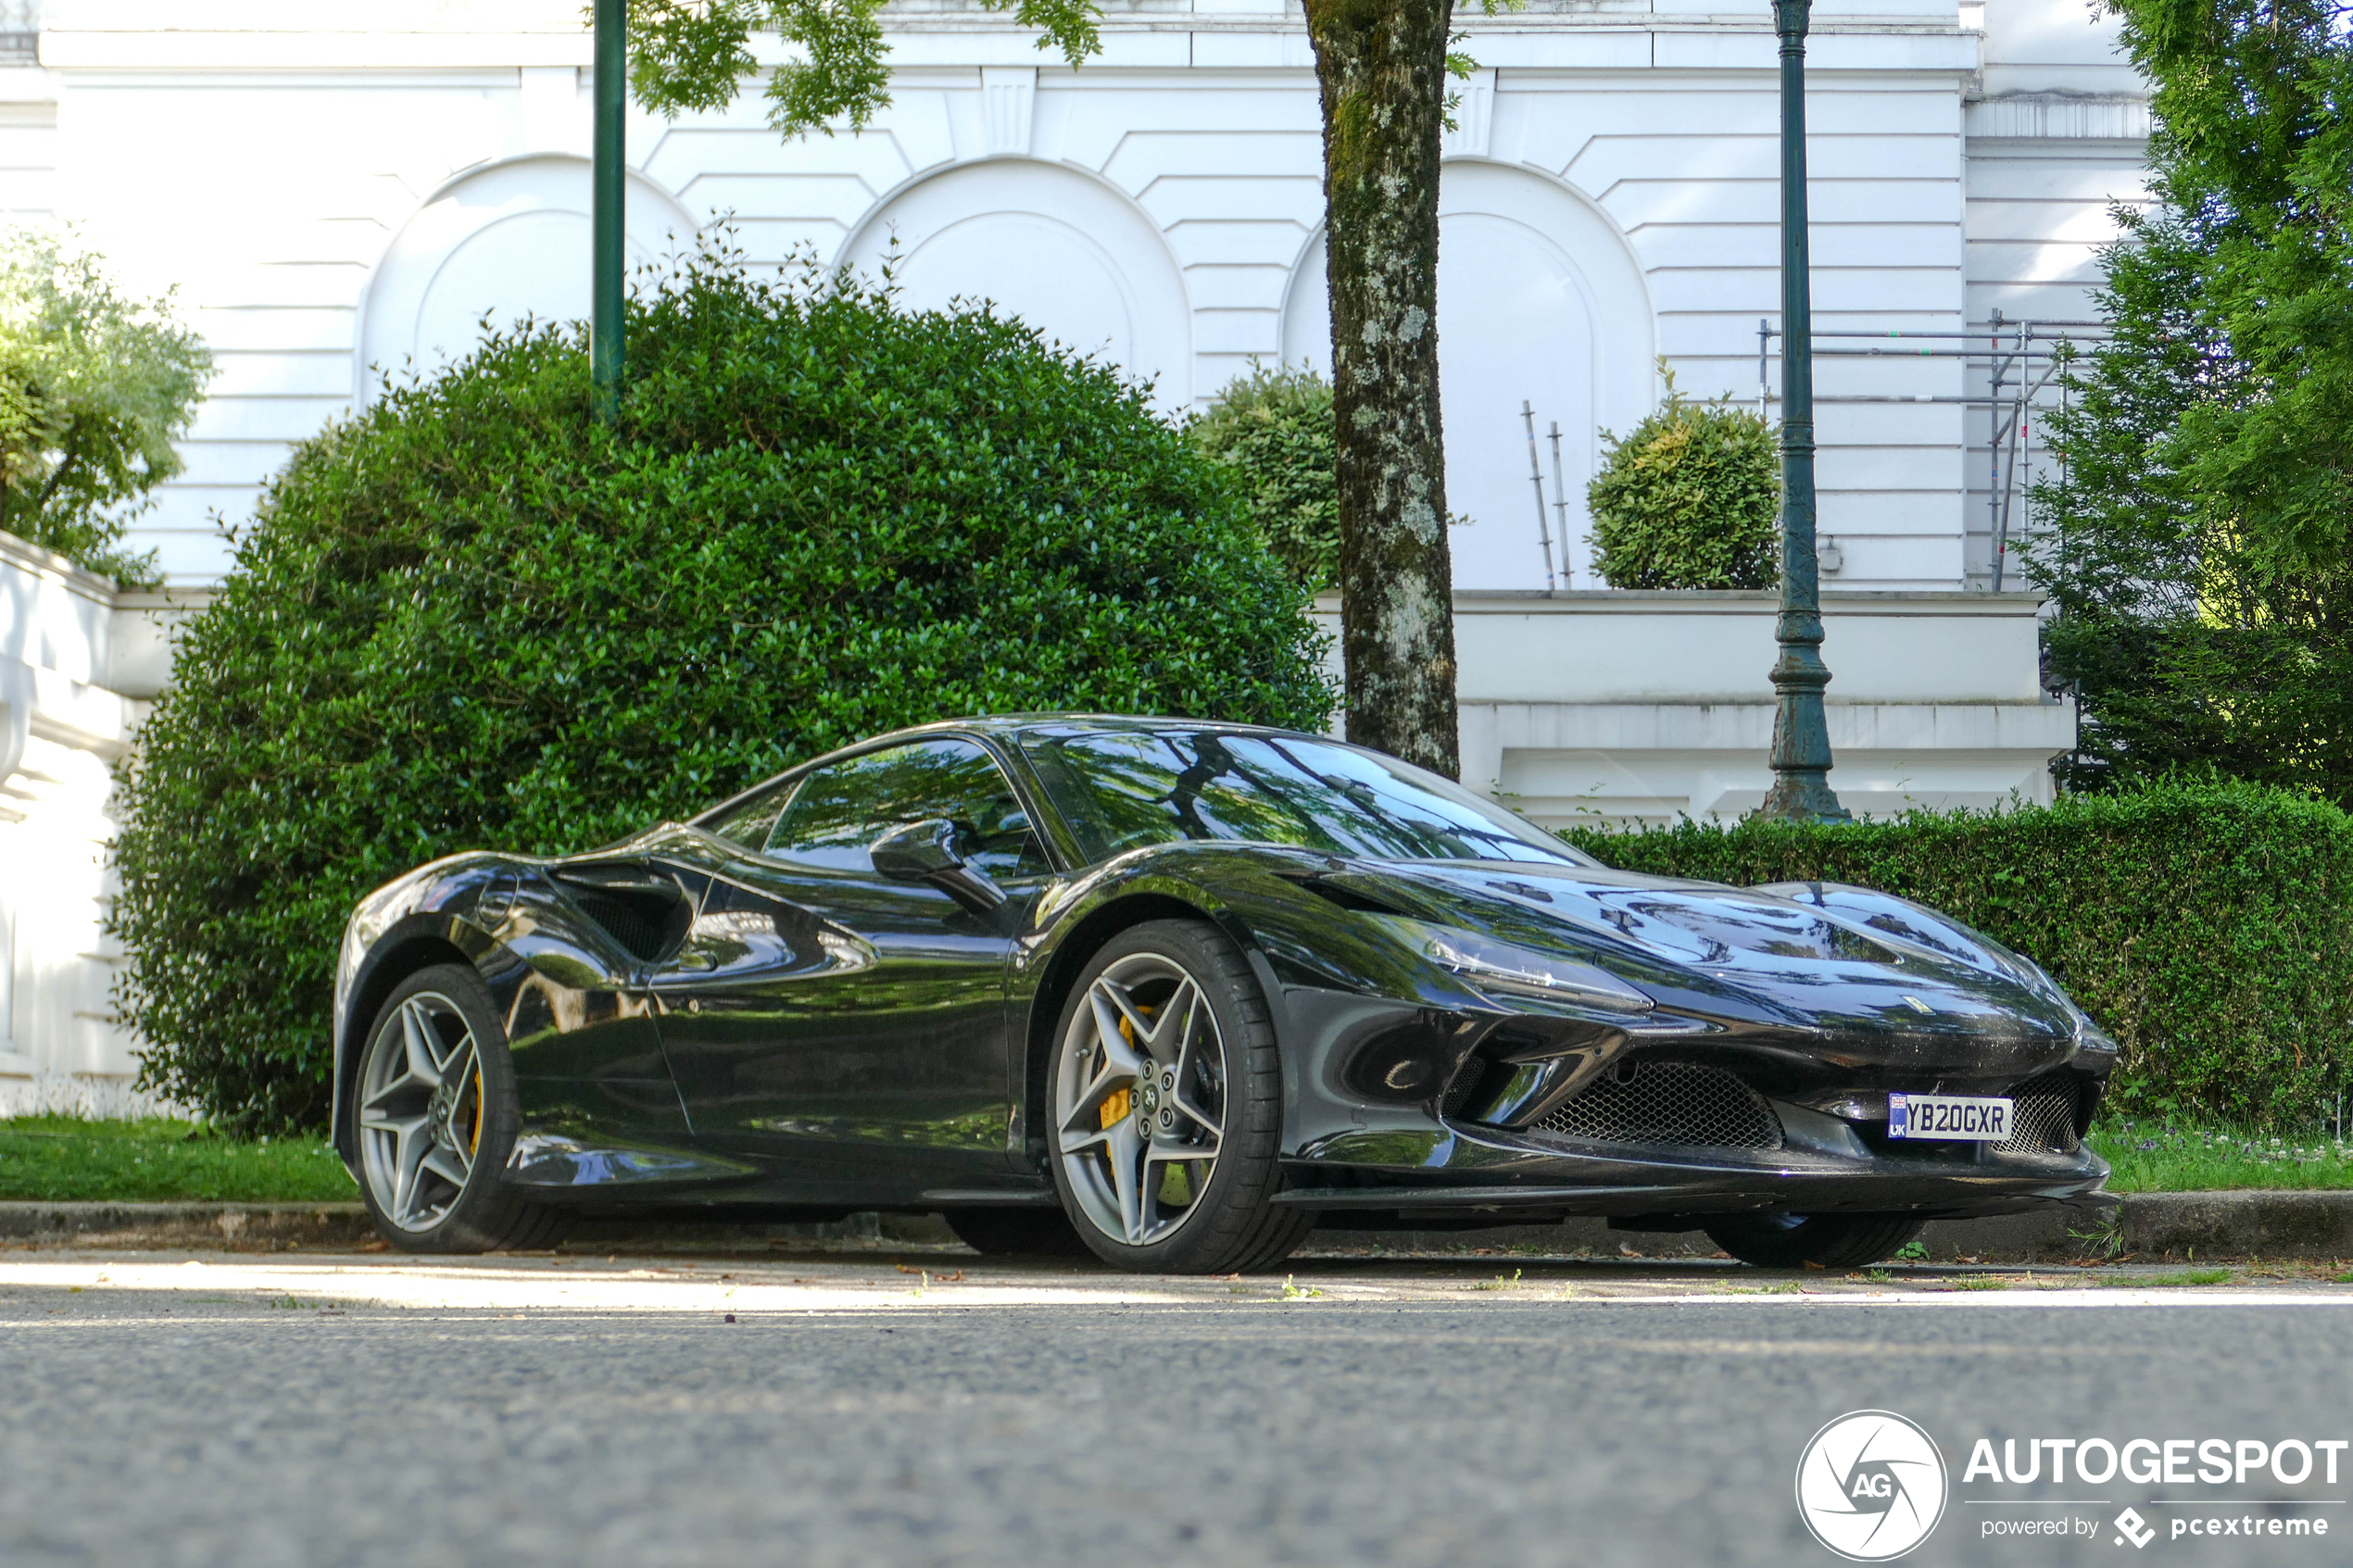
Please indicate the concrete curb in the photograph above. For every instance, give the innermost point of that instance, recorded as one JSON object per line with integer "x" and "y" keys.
{"x": 2182, "y": 1226}
{"x": 186, "y": 1224}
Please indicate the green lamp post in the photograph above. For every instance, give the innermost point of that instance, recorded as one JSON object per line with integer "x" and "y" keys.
{"x": 1801, "y": 789}
{"x": 607, "y": 193}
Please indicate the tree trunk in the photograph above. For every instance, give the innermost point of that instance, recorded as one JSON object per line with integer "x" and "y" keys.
{"x": 1381, "y": 67}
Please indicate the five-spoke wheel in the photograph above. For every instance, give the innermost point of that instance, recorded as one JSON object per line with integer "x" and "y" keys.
{"x": 1167, "y": 1096}
{"x": 1140, "y": 1099}
{"x": 436, "y": 1118}
{"x": 420, "y": 1110}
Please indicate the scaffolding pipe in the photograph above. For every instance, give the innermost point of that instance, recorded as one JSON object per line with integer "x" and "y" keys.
{"x": 1560, "y": 508}
{"x": 2008, "y": 345}
{"x": 1536, "y": 478}
{"x": 2015, "y": 427}
{"x": 1999, "y": 372}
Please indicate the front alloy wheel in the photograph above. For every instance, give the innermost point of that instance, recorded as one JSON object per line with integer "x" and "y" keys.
{"x": 1142, "y": 1099}
{"x": 436, "y": 1117}
{"x": 1167, "y": 1093}
{"x": 420, "y": 1110}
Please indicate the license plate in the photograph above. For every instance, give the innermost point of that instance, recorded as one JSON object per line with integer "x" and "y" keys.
{"x": 1966, "y": 1118}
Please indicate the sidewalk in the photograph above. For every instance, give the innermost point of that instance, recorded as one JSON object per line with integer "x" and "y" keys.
{"x": 2164, "y": 1226}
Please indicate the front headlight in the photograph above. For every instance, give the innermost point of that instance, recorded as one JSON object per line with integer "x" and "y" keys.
{"x": 1508, "y": 968}
{"x": 2090, "y": 1036}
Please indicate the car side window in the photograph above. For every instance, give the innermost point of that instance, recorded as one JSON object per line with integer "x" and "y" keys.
{"x": 839, "y": 810}
{"x": 750, "y": 822}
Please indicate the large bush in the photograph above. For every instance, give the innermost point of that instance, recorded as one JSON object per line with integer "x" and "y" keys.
{"x": 1688, "y": 498}
{"x": 471, "y": 616}
{"x": 1273, "y": 429}
{"x": 2208, "y": 927}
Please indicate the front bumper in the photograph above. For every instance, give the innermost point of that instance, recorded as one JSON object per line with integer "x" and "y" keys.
{"x": 1442, "y": 1114}
{"x": 1461, "y": 1171}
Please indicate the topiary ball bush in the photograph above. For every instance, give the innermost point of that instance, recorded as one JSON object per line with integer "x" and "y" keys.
{"x": 1273, "y": 428}
{"x": 470, "y": 616}
{"x": 1688, "y": 498}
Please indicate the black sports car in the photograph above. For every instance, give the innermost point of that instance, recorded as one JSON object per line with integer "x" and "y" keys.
{"x": 1177, "y": 990}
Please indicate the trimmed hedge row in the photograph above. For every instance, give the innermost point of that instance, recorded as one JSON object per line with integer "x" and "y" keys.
{"x": 2208, "y": 927}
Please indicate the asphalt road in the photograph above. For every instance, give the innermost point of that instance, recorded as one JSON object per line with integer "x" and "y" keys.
{"x": 163, "y": 1410}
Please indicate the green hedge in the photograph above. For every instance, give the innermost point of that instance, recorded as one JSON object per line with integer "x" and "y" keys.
{"x": 2208, "y": 927}
{"x": 471, "y": 616}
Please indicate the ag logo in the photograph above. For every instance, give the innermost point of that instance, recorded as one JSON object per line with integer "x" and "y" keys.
{"x": 1870, "y": 1486}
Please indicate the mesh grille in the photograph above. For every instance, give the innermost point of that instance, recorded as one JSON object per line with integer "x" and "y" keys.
{"x": 2044, "y": 1121}
{"x": 1669, "y": 1102}
{"x": 1465, "y": 1084}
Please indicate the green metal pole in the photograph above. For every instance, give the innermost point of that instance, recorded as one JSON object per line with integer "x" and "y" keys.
{"x": 1801, "y": 789}
{"x": 606, "y": 180}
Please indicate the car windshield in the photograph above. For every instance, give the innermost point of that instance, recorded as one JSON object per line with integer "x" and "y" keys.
{"x": 1122, "y": 789}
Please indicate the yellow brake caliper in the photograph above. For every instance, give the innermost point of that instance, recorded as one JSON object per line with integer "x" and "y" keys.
{"x": 476, "y": 1147}
{"x": 1119, "y": 1102}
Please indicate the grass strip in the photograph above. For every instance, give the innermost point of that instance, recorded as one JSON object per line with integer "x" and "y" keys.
{"x": 2147, "y": 1158}
{"x": 68, "y": 1159}
{"x": 65, "y": 1158}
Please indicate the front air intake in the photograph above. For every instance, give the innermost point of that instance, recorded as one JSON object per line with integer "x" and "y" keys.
{"x": 1666, "y": 1102}
{"x": 2043, "y": 1120}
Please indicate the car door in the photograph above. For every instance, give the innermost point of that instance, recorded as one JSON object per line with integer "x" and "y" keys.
{"x": 848, "y": 1024}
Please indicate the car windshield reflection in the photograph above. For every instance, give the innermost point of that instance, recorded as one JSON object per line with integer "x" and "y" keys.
{"x": 1122, "y": 790}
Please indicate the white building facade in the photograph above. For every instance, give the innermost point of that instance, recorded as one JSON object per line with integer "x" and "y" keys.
{"x": 341, "y": 190}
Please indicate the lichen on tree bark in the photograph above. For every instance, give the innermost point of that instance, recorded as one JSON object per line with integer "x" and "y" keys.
{"x": 1381, "y": 67}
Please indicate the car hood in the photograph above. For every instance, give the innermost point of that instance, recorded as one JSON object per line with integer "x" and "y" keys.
{"x": 1813, "y": 954}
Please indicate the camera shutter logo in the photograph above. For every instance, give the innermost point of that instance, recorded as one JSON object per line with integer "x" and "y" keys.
{"x": 1870, "y": 1486}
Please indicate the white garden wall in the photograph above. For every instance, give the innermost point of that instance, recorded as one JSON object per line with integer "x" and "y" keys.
{"x": 1633, "y": 706}
{"x": 78, "y": 662}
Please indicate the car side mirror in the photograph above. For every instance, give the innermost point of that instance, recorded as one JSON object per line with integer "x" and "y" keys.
{"x": 926, "y": 851}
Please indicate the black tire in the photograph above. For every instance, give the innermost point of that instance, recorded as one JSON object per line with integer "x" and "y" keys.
{"x": 470, "y": 1130}
{"x": 1016, "y": 1233}
{"x": 1832, "y": 1241}
{"x": 1230, "y": 1224}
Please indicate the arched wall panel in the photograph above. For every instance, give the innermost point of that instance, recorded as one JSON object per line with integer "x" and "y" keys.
{"x": 1069, "y": 255}
{"x": 1540, "y": 302}
{"x": 507, "y": 240}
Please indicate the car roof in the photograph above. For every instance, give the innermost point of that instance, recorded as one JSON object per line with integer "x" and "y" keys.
{"x": 1016, "y": 725}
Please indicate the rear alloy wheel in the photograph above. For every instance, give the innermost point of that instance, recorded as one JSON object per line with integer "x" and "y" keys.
{"x": 437, "y": 1116}
{"x": 1016, "y": 1233}
{"x": 1832, "y": 1241}
{"x": 1167, "y": 1096}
